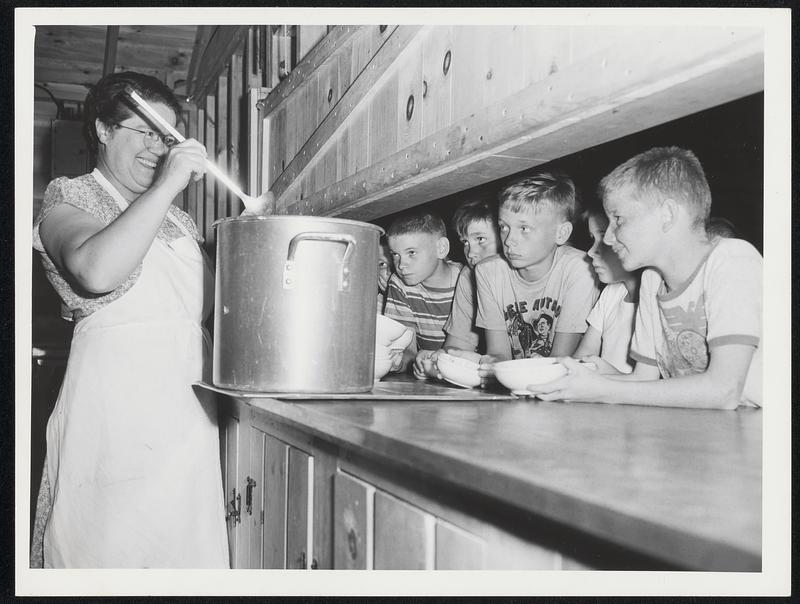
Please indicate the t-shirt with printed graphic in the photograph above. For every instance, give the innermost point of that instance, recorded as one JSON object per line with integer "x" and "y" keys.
{"x": 719, "y": 304}
{"x": 531, "y": 312}
{"x": 424, "y": 309}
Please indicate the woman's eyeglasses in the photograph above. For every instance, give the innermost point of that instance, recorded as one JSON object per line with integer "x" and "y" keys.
{"x": 151, "y": 138}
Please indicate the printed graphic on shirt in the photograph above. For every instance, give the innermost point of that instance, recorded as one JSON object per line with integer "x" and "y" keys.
{"x": 685, "y": 335}
{"x": 530, "y": 326}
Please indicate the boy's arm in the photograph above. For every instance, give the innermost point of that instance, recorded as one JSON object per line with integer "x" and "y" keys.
{"x": 460, "y": 327}
{"x": 497, "y": 345}
{"x": 490, "y": 314}
{"x": 579, "y": 297}
{"x": 398, "y": 309}
{"x": 719, "y": 387}
{"x": 564, "y": 344}
{"x": 589, "y": 344}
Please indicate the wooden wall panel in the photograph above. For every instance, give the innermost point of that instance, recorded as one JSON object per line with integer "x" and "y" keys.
{"x": 383, "y": 113}
{"x": 277, "y": 143}
{"x": 221, "y": 114}
{"x": 210, "y": 202}
{"x": 358, "y": 149}
{"x": 503, "y": 73}
{"x": 237, "y": 95}
{"x": 366, "y": 43}
{"x": 546, "y": 50}
{"x": 328, "y": 92}
{"x": 409, "y": 95}
{"x": 437, "y": 104}
{"x": 468, "y": 64}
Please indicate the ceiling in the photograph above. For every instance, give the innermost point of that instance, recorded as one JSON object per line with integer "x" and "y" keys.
{"x": 68, "y": 59}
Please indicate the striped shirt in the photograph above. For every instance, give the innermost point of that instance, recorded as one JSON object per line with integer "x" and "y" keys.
{"x": 424, "y": 309}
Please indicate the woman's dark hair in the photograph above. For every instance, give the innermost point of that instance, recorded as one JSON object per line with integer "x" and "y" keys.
{"x": 108, "y": 102}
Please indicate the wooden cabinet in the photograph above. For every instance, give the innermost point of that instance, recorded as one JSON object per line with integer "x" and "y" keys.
{"x": 348, "y": 485}
{"x": 293, "y": 502}
{"x": 269, "y": 495}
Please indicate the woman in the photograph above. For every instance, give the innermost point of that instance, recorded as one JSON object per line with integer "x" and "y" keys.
{"x": 132, "y": 476}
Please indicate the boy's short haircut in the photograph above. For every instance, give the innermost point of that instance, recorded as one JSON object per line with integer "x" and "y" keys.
{"x": 417, "y": 222}
{"x": 667, "y": 171}
{"x": 553, "y": 189}
{"x": 717, "y": 226}
{"x": 592, "y": 211}
{"x": 472, "y": 211}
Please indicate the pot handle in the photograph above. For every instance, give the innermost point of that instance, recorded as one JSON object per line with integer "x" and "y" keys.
{"x": 348, "y": 240}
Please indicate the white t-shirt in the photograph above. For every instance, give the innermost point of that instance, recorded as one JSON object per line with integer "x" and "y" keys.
{"x": 719, "y": 304}
{"x": 531, "y": 312}
{"x": 613, "y": 317}
{"x": 460, "y": 325}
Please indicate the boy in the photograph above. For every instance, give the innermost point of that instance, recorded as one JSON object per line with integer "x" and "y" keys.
{"x": 385, "y": 270}
{"x": 607, "y": 340}
{"x": 475, "y": 223}
{"x": 420, "y": 292}
{"x": 698, "y": 325}
{"x": 536, "y": 302}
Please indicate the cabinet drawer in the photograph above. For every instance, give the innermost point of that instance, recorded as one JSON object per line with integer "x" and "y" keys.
{"x": 404, "y": 535}
{"x": 352, "y": 523}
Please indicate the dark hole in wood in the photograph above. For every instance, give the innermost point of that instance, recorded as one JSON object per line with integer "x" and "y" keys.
{"x": 410, "y": 107}
{"x": 446, "y": 63}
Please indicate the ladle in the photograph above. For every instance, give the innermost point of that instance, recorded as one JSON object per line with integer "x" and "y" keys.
{"x": 252, "y": 205}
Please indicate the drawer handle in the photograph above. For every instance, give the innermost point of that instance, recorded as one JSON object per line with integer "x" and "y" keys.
{"x": 248, "y": 496}
{"x": 236, "y": 508}
{"x": 352, "y": 544}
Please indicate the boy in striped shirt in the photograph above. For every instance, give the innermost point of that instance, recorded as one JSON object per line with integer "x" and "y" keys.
{"x": 420, "y": 292}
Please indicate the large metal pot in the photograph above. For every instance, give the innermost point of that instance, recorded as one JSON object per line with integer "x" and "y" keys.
{"x": 295, "y": 304}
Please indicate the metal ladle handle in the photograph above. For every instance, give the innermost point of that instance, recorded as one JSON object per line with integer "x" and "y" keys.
{"x": 211, "y": 166}
{"x": 289, "y": 266}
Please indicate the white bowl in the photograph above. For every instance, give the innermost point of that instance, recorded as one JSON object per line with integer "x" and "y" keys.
{"x": 518, "y": 374}
{"x": 392, "y": 334}
{"x": 458, "y": 371}
{"x": 382, "y": 366}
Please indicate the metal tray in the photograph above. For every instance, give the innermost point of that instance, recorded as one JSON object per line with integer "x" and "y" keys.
{"x": 394, "y": 389}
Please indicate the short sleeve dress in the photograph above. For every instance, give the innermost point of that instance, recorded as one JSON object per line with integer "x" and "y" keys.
{"x": 133, "y": 461}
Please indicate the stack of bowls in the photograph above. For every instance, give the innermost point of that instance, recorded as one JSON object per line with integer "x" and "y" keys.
{"x": 391, "y": 338}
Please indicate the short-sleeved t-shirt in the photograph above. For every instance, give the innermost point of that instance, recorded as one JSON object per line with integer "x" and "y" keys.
{"x": 424, "y": 309}
{"x": 613, "y": 318}
{"x": 460, "y": 325}
{"x": 87, "y": 194}
{"x": 719, "y": 304}
{"x": 531, "y": 312}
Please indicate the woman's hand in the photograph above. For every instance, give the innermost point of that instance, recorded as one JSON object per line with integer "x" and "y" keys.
{"x": 582, "y": 383}
{"x": 182, "y": 163}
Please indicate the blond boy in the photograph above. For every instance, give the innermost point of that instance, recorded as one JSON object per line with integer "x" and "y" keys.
{"x": 697, "y": 335}
{"x": 536, "y": 300}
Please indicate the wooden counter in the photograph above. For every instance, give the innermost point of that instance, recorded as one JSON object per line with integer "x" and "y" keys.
{"x": 611, "y": 486}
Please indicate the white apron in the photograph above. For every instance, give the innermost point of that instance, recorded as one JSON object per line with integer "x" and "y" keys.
{"x": 132, "y": 452}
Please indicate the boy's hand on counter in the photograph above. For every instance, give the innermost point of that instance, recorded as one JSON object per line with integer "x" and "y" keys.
{"x": 601, "y": 365}
{"x": 425, "y": 365}
{"x": 486, "y": 369}
{"x": 581, "y": 384}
